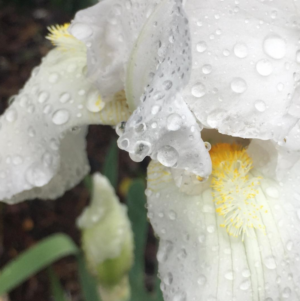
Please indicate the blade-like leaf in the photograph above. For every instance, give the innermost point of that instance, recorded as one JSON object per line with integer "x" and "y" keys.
{"x": 110, "y": 169}
{"x": 136, "y": 201}
{"x": 57, "y": 291}
{"x": 88, "y": 282}
{"x": 35, "y": 259}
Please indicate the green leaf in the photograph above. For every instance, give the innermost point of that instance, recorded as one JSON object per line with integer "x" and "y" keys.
{"x": 35, "y": 259}
{"x": 88, "y": 282}
{"x": 57, "y": 291}
{"x": 136, "y": 201}
{"x": 110, "y": 169}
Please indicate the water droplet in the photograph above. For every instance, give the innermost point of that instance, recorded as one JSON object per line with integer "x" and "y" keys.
{"x": 164, "y": 251}
{"x": 238, "y": 85}
{"x": 198, "y": 90}
{"x": 286, "y": 293}
{"x": 260, "y": 106}
{"x": 201, "y": 46}
{"x": 36, "y": 177}
{"x": 120, "y": 129}
{"x": 275, "y": 47}
{"x": 64, "y": 97}
{"x": 61, "y": 117}
{"x": 43, "y": 96}
{"x": 11, "y": 115}
{"x": 207, "y": 69}
{"x": 179, "y": 297}
{"x": 94, "y": 102}
{"x": 140, "y": 128}
{"x": 201, "y": 280}
{"x": 167, "y": 156}
{"x": 54, "y": 144}
{"x": 155, "y": 109}
{"x": 272, "y": 192}
{"x": 167, "y": 85}
{"x": 174, "y": 122}
{"x": 24, "y": 101}
{"x": 81, "y": 31}
{"x": 31, "y": 132}
{"x": 270, "y": 262}
{"x": 172, "y": 215}
{"x": 47, "y": 159}
{"x": 168, "y": 279}
{"x": 201, "y": 238}
{"x": 211, "y": 229}
{"x": 53, "y": 78}
{"x": 240, "y": 50}
{"x": 289, "y": 245}
{"x": 246, "y": 273}
{"x": 207, "y": 146}
{"x": 264, "y": 67}
{"x": 182, "y": 254}
{"x": 229, "y": 275}
{"x": 17, "y": 160}
{"x": 245, "y": 285}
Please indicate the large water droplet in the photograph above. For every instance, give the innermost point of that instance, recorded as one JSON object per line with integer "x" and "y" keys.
{"x": 120, "y": 128}
{"x": 240, "y": 50}
{"x": 275, "y": 47}
{"x": 245, "y": 285}
{"x": 206, "y": 69}
{"x": 246, "y": 273}
{"x": 286, "y": 293}
{"x": 168, "y": 279}
{"x": 201, "y": 46}
{"x": 229, "y": 275}
{"x": 260, "y": 106}
{"x": 201, "y": 280}
{"x": 272, "y": 192}
{"x": 61, "y": 117}
{"x": 81, "y": 31}
{"x": 211, "y": 229}
{"x": 11, "y": 115}
{"x": 43, "y": 96}
{"x": 64, "y": 97}
{"x": 94, "y": 102}
{"x": 174, "y": 122}
{"x": 289, "y": 245}
{"x": 167, "y": 156}
{"x": 36, "y": 177}
{"x": 238, "y": 85}
{"x": 198, "y": 90}
{"x": 164, "y": 251}
{"x": 264, "y": 67}
{"x": 53, "y": 78}
{"x": 270, "y": 262}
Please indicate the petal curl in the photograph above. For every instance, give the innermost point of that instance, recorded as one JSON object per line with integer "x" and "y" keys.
{"x": 109, "y": 29}
{"x": 245, "y": 66}
{"x": 57, "y": 99}
{"x": 162, "y": 125}
{"x": 198, "y": 260}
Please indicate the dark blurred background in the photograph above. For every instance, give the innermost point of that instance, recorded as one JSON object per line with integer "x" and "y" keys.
{"x": 23, "y": 27}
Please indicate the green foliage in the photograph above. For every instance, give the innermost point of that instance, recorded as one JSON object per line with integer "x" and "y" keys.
{"x": 110, "y": 168}
{"x": 35, "y": 259}
{"x": 56, "y": 288}
{"x": 136, "y": 202}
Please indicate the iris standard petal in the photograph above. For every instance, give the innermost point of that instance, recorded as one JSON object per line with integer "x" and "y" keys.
{"x": 162, "y": 126}
{"x": 245, "y": 66}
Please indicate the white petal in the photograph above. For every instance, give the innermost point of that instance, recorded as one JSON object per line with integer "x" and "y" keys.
{"x": 245, "y": 66}
{"x": 198, "y": 260}
{"x": 109, "y": 30}
{"x": 73, "y": 167}
{"x": 57, "y": 99}
{"x": 162, "y": 126}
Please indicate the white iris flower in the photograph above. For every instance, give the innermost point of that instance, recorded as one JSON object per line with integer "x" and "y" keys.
{"x": 232, "y": 66}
